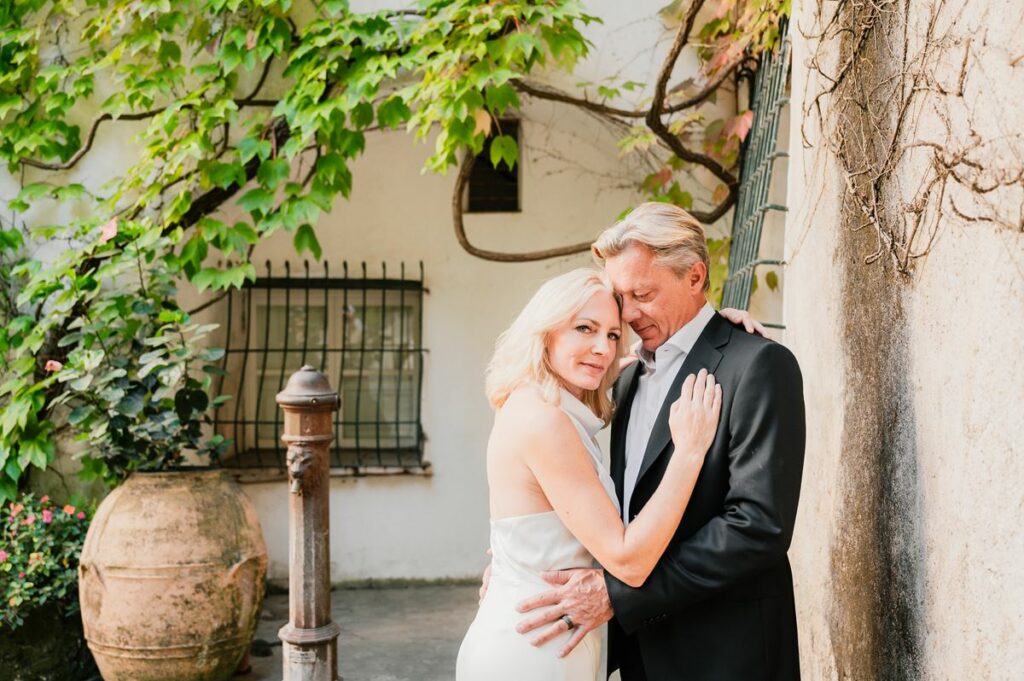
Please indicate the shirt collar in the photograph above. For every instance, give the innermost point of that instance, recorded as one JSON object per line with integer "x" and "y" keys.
{"x": 679, "y": 343}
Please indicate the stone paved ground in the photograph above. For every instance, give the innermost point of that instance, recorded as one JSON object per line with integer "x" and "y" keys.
{"x": 392, "y": 634}
{"x": 408, "y": 634}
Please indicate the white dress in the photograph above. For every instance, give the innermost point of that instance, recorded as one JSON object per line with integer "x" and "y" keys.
{"x": 522, "y": 548}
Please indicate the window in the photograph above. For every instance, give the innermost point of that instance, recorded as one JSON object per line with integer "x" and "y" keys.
{"x": 494, "y": 190}
{"x": 364, "y": 334}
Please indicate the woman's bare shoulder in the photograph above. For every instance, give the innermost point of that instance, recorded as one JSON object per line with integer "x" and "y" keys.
{"x": 528, "y": 414}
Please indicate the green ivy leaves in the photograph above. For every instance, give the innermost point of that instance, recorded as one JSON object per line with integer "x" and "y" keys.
{"x": 305, "y": 240}
{"x": 503, "y": 148}
{"x": 244, "y": 102}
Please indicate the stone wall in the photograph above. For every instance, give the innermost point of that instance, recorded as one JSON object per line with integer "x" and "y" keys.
{"x": 903, "y": 303}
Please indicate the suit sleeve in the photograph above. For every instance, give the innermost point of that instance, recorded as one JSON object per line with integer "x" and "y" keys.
{"x": 753, "y": 532}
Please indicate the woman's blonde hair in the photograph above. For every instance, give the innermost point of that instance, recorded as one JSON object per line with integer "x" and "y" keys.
{"x": 520, "y": 353}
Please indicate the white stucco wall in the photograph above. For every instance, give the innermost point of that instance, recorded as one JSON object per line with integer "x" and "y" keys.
{"x": 436, "y": 526}
{"x": 574, "y": 183}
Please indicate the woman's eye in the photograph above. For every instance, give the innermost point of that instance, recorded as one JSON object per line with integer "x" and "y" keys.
{"x": 583, "y": 328}
{"x": 614, "y": 336}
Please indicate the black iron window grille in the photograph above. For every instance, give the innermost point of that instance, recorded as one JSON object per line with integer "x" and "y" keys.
{"x": 494, "y": 190}
{"x": 768, "y": 97}
{"x": 364, "y": 333}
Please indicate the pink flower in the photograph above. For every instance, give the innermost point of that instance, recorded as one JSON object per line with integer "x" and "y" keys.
{"x": 3, "y": 555}
{"x": 81, "y": 515}
{"x": 43, "y": 499}
{"x": 51, "y": 366}
{"x": 47, "y": 517}
{"x": 69, "y": 509}
{"x": 16, "y": 509}
{"x": 30, "y": 519}
{"x": 21, "y": 575}
{"x": 108, "y": 231}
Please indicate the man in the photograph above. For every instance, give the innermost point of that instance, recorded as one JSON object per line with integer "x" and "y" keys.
{"x": 719, "y": 604}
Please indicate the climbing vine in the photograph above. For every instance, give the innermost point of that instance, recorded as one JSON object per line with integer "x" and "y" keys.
{"x": 261, "y": 106}
{"x": 897, "y": 111}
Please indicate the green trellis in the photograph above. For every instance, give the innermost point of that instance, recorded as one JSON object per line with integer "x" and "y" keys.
{"x": 759, "y": 156}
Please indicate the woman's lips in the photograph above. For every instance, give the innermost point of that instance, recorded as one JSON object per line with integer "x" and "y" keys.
{"x": 594, "y": 368}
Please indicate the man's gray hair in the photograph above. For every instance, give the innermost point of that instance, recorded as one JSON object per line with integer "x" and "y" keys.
{"x": 675, "y": 237}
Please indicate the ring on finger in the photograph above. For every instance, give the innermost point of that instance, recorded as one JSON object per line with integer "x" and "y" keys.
{"x": 569, "y": 624}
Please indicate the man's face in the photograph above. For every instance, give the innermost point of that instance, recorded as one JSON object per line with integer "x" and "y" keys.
{"x": 656, "y": 302}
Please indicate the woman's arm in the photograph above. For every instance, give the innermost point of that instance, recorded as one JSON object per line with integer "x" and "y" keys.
{"x": 562, "y": 467}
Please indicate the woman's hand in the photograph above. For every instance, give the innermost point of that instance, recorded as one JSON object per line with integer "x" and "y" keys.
{"x": 743, "y": 317}
{"x": 627, "y": 360}
{"x": 693, "y": 419}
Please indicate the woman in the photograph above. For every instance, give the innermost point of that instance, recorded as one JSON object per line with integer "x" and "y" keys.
{"x": 552, "y": 503}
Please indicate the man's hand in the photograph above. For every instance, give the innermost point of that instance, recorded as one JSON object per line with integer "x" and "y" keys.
{"x": 581, "y": 594}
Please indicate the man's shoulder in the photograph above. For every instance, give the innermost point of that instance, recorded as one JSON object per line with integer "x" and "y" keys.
{"x": 749, "y": 348}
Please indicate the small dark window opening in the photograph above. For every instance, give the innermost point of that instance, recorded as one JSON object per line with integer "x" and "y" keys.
{"x": 495, "y": 190}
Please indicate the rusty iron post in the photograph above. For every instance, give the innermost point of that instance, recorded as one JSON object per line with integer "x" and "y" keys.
{"x": 310, "y": 639}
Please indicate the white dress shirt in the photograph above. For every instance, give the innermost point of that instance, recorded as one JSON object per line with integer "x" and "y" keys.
{"x": 657, "y": 371}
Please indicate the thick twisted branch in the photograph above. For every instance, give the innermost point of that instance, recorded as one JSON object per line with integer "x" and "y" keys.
{"x": 658, "y": 108}
{"x": 551, "y": 94}
{"x": 250, "y": 101}
{"x": 89, "y": 139}
{"x": 207, "y": 203}
{"x": 658, "y": 127}
{"x": 495, "y": 256}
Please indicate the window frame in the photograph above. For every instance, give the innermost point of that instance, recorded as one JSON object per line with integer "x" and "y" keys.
{"x": 246, "y": 358}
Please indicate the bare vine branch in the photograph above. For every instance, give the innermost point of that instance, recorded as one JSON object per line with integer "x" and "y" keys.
{"x": 884, "y": 102}
{"x": 138, "y": 116}
{"x": 89, "y": 139}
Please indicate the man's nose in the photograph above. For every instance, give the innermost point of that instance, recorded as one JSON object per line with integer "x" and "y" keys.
{"x": 629, "y": 312}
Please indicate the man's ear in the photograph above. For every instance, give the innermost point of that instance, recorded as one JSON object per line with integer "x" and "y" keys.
{"x": 697, "y": 276}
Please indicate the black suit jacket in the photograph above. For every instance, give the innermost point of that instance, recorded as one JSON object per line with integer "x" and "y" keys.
{"x": 719, "y": 604}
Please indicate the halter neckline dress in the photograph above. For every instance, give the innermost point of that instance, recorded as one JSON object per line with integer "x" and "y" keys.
{"x": 522, "y": 548}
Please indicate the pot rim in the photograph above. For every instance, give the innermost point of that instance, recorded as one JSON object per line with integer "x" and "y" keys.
{"x": 178, "y": 470}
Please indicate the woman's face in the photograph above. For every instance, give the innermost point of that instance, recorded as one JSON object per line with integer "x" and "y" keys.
{"x": 582, "y": 350}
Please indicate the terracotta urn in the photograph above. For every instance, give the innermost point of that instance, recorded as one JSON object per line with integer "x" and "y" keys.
{"x": 171, "y": 577}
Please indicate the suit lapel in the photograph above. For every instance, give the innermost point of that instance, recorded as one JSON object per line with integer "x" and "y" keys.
{"x": 703, "y": 355}
{"x": 625, "y": 389}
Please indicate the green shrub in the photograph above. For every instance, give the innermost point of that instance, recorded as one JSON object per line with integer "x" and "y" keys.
{"x": 39, "y": 551}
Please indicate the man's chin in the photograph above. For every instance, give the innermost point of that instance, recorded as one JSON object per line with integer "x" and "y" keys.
{"x": 650, "y": 345}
